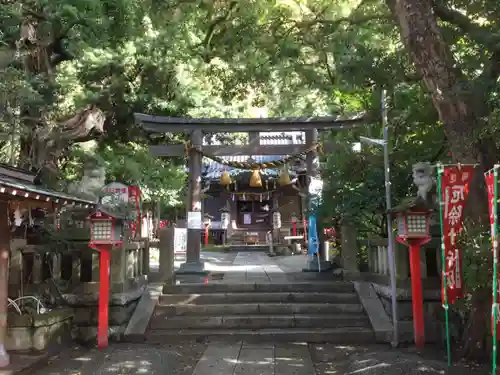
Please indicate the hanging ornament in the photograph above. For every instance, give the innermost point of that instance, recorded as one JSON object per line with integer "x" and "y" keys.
{"x": 284, "y": 178}
{"x": 18, "y": 217}
{"x": 255, "y": 179}
{"x": 225, "y": 179}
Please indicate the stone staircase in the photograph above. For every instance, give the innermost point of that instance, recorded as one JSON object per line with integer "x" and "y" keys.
{"x": 305, "y": 312}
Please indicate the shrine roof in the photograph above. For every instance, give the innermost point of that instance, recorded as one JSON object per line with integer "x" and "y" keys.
{"x": 213, "y": 170}
{"x": 18, "y": 182}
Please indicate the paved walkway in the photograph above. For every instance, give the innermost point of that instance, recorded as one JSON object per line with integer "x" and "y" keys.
{"x": 220, "y": 358}
{"x": 253, "y": 267}
{"x": 240, "y": 358}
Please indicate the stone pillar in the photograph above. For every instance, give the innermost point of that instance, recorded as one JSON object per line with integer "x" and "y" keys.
{"x": 348, "y": 235}
{"x": 136, "y": 261}
{"x": 166, "y": 248}
{"x": 139, "y": 260}
{"x": 193, "y": 263}
{"x": 145, "y": 257}
{"x": 402, "y": 259}
{"x": 383, "y": 259}
{"x": 117, "y": 269}
{"x": 56, "y": 266}
{"x": 16, "y": 265}
{"x": 37, "y": 268}
{"x": 95, "y": 266}
{"x": 75, "y": 266}
{"x": 130, "y": 264}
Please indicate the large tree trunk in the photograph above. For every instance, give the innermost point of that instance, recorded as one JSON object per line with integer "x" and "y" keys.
{"x": 43, "y": 141}
{"x": 461, "y": 109}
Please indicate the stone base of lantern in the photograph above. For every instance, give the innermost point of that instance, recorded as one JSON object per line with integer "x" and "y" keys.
{"x": 192, "y": 268}
{"x": 313, "y": 265}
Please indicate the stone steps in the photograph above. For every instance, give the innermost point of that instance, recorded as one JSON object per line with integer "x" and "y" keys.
{"x": 258, "y": 297}
{"x": 297, "y": 287}
{"x": 256, "y": 308}
{"x": 309, "y": 312}
{"x": 259, "y": 321}
{"x": 344, "y": 335}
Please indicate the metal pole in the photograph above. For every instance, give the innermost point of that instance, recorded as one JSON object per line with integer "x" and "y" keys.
{"x": 390, "y": 234}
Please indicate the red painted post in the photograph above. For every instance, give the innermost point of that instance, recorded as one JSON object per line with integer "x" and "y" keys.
{"x": 294, "y": 228}
{"x": 416, "y": 294}
{"x": 103, "y": 317}
{"x": 206, "y": 235}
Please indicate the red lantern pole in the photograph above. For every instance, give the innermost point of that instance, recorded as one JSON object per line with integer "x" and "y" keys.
{"x": 103, "y": 315}
{"x": 206, "y": 234}
{"x": 416, "y": 292}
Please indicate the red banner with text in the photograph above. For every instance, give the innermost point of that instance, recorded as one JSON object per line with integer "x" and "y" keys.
{"x": 490, "y": 186}
{"x": 455, "y": 189}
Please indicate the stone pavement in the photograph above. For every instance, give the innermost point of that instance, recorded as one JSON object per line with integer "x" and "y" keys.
{"x": 253, "y": 267}
{"x": 225, "y": 358}
{"x": 240, "y": 358}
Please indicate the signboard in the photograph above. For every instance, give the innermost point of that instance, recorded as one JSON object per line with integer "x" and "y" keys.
{"x": 114, "y": 193}
{"x": 180, "y": 241}
{"x": 194, "y": 220}
{"x": 117, "y": 193}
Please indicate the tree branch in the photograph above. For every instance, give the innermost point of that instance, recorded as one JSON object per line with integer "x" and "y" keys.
{"x": 476, "y": 32}
{"x": 207, "y": 41}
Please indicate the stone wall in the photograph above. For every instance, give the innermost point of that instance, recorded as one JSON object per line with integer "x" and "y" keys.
{"x": 39, "y": 331}
{"x": 433, "y": 314}
{"x": 71, "y": 280}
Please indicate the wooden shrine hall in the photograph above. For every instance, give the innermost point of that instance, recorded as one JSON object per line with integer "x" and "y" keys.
{"x": 262, "y": 185}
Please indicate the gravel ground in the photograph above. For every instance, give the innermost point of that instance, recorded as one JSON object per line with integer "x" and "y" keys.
{"x": 127, "y": 359}
{"x": 381, "y": 360}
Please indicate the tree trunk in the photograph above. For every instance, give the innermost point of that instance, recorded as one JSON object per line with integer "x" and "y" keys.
{"x": 42, "y": 143}
{"x": 477, "y": 340}
{"x": 461, "y": 109}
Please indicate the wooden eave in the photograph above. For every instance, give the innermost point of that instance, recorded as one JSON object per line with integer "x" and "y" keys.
{"x": 12, "y": 190}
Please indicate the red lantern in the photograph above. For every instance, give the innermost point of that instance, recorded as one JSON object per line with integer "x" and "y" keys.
{"x": 414, "y": 231}
{"x": 294, "y": 224}
{"x": 207, "y": 222}
{"x": 412, "y": 226}
{"x": 106, "y": 231}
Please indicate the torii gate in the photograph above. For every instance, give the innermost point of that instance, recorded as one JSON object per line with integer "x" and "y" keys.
{"x": 195, "y": 127}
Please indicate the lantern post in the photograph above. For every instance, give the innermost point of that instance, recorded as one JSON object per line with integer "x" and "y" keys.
{"x": 414, "y": 231}
{"x": 106, "y": 232}
{"x": 207, "y": 221}
{"x": 294, "y": 224}
{"x": 224, "y": 219}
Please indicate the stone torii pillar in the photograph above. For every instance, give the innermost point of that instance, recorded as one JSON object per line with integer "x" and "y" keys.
{"x": 193, "y": 264}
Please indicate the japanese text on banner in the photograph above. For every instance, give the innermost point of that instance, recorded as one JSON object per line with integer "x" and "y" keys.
{"x": 455, "y": 189}
{"x": 492, "y": 207}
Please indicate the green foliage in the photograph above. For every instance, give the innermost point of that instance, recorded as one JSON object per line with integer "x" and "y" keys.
{"x": 244, "y": 58}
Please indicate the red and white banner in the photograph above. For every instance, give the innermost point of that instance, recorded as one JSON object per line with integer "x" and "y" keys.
{"x": 490, "y": 186}
{"x": 134, "y": 194}
{"x": 126, "y": 194}
{"x": 455, "y": 189}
